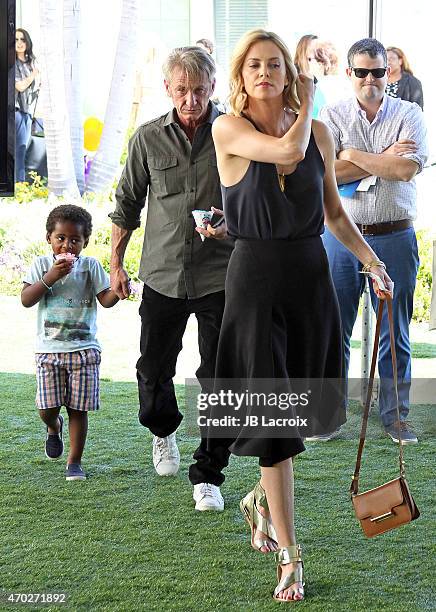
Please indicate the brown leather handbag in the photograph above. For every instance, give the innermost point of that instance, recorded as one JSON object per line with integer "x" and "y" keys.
{"x": 391, "y": 504}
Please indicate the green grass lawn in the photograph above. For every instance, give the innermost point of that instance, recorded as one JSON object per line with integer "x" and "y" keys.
{"x": 420, "y": 350}
{"x": 128, "y": 540}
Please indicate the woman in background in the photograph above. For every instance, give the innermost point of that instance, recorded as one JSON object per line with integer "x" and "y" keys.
{"x": 305, "y": 63}
{"x": 304, "y": 53}
{"x": 26, "y": 92}
{"x": 333, "y": 85}
{"x": 401, "y": 83}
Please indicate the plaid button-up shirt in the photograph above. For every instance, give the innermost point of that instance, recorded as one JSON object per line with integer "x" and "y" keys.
{"x": 396, "y": 119}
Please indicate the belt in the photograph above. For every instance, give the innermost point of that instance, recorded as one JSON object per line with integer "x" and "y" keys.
{"x": 384, "y": 228}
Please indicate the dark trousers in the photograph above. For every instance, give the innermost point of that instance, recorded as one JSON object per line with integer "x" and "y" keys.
{"x": 399, "y": 251}
{"x": 163, "y": 323}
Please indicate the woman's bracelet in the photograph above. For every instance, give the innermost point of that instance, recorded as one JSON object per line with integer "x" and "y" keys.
{"x": 373, "y": 262}
{"x": 46, "y": 286}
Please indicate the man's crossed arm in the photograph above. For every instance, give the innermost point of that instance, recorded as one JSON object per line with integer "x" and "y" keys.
{"x": 353, "y": 164}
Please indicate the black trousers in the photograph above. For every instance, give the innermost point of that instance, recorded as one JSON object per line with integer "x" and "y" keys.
{"x": 163, "y": 323}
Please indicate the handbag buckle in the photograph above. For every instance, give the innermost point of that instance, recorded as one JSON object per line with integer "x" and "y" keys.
{"x": 382, "y": 517}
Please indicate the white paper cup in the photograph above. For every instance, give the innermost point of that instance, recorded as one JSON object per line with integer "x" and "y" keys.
{"x": 67, "y": 256}
{"x": 202, "y": 219}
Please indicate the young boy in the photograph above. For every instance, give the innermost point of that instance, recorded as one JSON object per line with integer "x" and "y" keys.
{"x": 65, "y": 285}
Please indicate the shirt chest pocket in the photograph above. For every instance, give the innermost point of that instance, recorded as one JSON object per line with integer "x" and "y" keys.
{"x": 164, "y": 174}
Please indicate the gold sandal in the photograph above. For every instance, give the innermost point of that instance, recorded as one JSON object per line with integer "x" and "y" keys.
{"x": 289, "y": 554}
{"x": 256, "y": 521}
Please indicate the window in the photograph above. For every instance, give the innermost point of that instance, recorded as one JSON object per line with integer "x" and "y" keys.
{"x": 232, "y": 19}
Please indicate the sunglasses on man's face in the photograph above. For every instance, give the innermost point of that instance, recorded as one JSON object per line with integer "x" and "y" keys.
{"x": 362, "y": 73}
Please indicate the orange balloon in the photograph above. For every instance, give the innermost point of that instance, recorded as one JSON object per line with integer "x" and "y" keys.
{"x": 92, "y": 130}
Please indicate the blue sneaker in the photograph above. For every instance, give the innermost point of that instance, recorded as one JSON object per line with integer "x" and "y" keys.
{"x": 74, "y": 472}
{"x": 406, "y": 433}
{"x": 54, "y": 445}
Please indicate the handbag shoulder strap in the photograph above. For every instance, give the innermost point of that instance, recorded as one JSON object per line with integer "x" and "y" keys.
{"x": 355, "y": 481}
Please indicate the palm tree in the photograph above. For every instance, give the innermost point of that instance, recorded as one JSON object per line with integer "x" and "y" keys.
{"x": 106, "y": 161}
{"x": 72, "y": 75}
{"x": 61, "y": 174}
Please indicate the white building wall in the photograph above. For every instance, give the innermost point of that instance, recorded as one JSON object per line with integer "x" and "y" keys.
{"x": 202, "y": 20}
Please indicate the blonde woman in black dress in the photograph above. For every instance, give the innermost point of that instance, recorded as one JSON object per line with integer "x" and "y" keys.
{"x": 281, "y": 319}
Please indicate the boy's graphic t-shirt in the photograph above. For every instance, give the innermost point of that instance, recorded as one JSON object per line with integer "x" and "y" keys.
{"x": 67, "y": 315}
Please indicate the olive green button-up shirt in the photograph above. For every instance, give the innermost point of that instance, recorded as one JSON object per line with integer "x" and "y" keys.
{"x": 178, "y": 177}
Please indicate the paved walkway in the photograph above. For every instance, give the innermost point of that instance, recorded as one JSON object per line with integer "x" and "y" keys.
{"x": 119, "y": 335}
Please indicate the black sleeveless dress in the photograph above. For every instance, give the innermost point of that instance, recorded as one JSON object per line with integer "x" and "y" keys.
{"x": 281, "y": 323}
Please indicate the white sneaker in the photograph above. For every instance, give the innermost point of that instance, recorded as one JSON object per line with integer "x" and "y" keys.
{"x": 323, "y": 437}
{"x": 208, "y": 497}
{"x": 166, "y": 456}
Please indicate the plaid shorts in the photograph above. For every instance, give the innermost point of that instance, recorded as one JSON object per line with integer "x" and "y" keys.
{"x": 68, "y": 379}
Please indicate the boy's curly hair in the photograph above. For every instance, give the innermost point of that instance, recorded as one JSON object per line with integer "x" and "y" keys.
{"x": 72, "y": 213}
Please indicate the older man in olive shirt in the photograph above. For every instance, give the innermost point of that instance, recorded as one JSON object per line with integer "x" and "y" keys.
{"x": 172, "y": 159}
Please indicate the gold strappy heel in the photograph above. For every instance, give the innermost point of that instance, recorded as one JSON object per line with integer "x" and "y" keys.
{"x": 289, "y": 554}
{"x": 250, "y": 509}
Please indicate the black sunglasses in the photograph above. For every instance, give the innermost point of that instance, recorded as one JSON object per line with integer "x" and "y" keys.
{"x": 362, "y": 73}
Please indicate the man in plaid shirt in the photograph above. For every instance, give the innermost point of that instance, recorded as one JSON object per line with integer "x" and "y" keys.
{"x": 380, "y": 147}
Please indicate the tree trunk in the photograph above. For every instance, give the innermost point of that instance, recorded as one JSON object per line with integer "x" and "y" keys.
{"x": 72, "y": 74}
{"x": 61, "y": 175}
{"x": 106, "y": 162}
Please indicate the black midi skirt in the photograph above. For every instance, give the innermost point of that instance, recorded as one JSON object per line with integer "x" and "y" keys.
{"x": 281, "y": 327}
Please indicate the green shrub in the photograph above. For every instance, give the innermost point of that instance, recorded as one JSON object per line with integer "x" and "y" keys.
{"x": 18, "y": 247}
{"x": 129, "y": 134}
{"x": 26, "y": 192}
{"x": 17, "y": 251}
{"x": 2, "y": 236}
{"x": 100, "y": 248}
{"x": 422, "y": 297}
